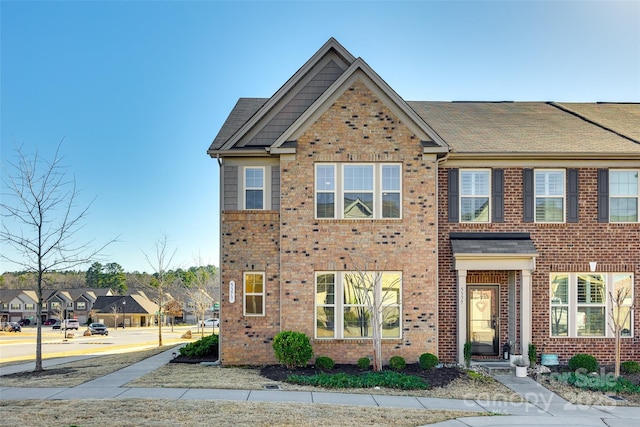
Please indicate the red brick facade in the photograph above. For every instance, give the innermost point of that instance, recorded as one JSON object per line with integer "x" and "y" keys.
{"x": 292, "y": 247}
{"x": 566, "y": 247}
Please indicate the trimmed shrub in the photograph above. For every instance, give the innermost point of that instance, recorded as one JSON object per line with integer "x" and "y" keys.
{"x": 292, "y": 349}
{"x": 630, "y": 367}
{"x": 583, "y": 361}
{"x": 428, "y": 361}
{"x": 533, "y": 354}
{"x": 467, "y": 354}
{"x": 397, "y": 363}
{"x": 204, "y": 347}
{"x": 364, "y": 363}
{"x": 324, "y": 363}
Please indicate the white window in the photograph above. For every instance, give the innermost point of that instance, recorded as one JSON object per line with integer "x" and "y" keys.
{"x": 345, "y": 302}
{"x": 584, "y": 304}
{"x": 29, "y": 306}
{"x": 81, "y": 305}
{"x": 475, "y": 189}
{"x": 549, "y": 195}
{"x": 254, "y": 188}
{"x": 358, "y": 191}
{"x": 391, "y": 191}
{"x": 254, "y": 292}
{"x": 624, "y": 191}
{"x": 15, "y": 306}
{"x": 325, "y": 191}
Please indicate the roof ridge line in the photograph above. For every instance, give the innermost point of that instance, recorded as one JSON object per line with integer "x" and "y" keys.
{"x": 588, "y": 120}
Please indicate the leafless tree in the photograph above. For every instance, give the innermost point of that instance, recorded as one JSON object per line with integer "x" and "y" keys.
{"x": 200, "y": 290}
{"x": 371, "y": 296}
{"x": 619, "y": 318}
{"x": 161, "y": 264}
{"x": 40, "y": 221}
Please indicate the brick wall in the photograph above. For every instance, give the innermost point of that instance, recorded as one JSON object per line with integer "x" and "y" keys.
{"x": 562, "y": 248}
{"x": 359, "y": 128}
{"x": 291, "y": 246}
{"x": 250, "y": 243}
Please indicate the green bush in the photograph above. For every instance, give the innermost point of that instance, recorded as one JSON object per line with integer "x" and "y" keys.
{"x": 388, "y": 379}
{"x": 583, "y": 361}
{"x": 364, "y": 363}
{"x": 204, "y": 347}
{"x": 292, "y": 349}
{"x": 397, "y": 363}
{"x": 630, "y": 367}
{"x": 467, "y": 354}
{"x": 324, "y": 363}
{"x": 428, "y": 361}
{"x": 533, "y": 355}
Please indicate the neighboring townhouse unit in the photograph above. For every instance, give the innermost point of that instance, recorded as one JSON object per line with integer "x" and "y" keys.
{"x": 17, "y": 304}
{"x": 538, "y": 226}
{"x": 74, "y": 303}
{"x": 475, "y": 222}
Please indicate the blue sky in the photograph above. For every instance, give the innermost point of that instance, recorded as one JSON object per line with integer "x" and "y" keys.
{"x": 139, "y": 89}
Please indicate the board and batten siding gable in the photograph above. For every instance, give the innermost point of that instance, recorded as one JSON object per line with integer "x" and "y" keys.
{"x": 232, "y": 184}
{"x": 275, "y": 188}
{"x": 230, "y": 188}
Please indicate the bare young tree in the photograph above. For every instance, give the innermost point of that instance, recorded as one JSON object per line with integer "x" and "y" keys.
{"x": 375, "y": 299}
{"x": 40, "y": 221}
{"x": 200, "y": 289}
{"x": 161, "y": 264}
{"x": 620, "y": 315}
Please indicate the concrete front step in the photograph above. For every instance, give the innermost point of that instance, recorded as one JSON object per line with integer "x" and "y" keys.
{"x": 498, "y": 367}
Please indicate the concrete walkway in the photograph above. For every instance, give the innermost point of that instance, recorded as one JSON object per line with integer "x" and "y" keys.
{"x": 543, "y": 408}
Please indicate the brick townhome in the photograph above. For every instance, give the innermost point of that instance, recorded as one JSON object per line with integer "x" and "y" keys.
{"x": 480, "y": 220}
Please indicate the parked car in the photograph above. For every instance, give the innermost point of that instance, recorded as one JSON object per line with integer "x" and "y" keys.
{"x": 50, "y": 322}
{"x": 70, "y": 324}
{"x": 98, "y": 329}
{"x": 24, "y": 322}
{"x": 211, "y": 322}
{"x": 11, "y": 327}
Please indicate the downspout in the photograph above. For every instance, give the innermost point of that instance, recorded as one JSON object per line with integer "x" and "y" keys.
{"x": 219, "y": 258}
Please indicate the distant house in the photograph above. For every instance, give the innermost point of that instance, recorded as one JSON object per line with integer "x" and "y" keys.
{"x": 127, "y": 310}
{"x": 56, "y": 304}
{"x": 16, "y": 304}
{"x": 501, "y": 223}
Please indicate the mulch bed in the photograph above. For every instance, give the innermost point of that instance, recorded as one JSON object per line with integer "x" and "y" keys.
{"x": 435, "y": 377}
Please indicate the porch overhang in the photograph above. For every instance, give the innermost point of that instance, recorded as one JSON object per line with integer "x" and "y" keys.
{"x": 493, "y": 251}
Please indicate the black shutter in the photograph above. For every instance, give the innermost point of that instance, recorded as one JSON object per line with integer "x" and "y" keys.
{"x": 572, "y": 195}
{"x": 528, "y": 195}
{"x": 454, "y": 201}
{"x": 603, "y": 195}
{"x": 497, "y": 195}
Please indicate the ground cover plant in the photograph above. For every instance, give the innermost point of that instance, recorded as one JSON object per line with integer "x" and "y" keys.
{"x": 388, "y": 379}
{"x": 580, "y": 386}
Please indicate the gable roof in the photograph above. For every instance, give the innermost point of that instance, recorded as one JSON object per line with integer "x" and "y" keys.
{"x": 135, "y": 304}
{"x": 256, "y": 125}
{"x": 264, "y": 126}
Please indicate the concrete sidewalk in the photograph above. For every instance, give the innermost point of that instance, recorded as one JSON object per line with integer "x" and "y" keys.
{"x": 543, "y": 408}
